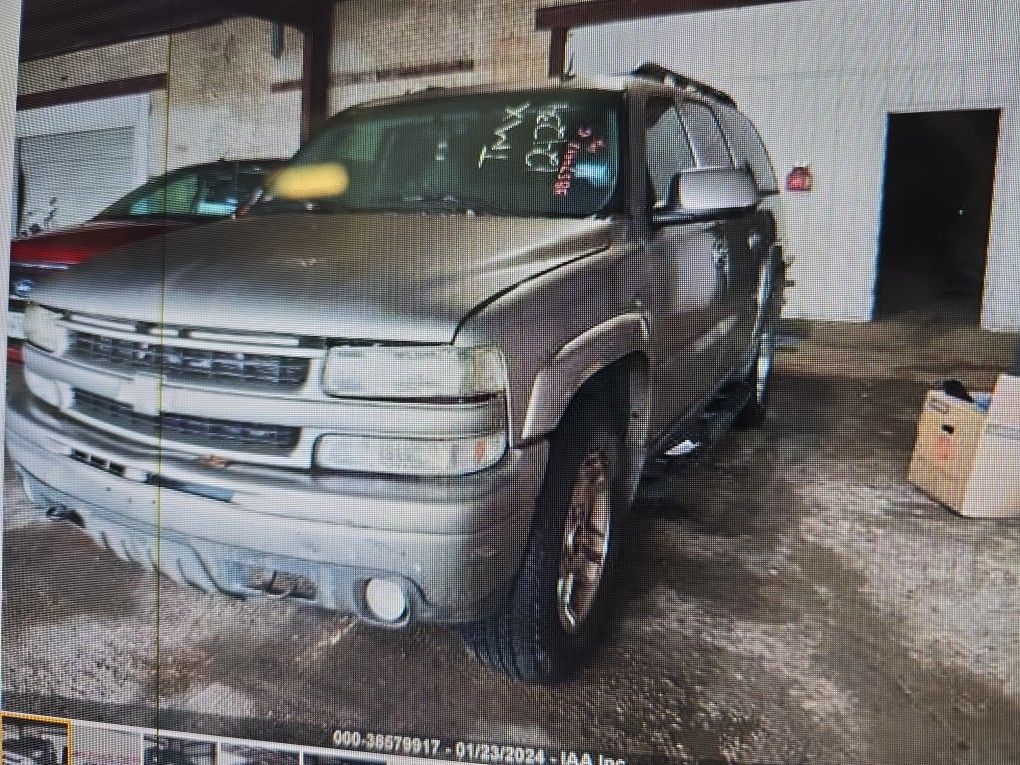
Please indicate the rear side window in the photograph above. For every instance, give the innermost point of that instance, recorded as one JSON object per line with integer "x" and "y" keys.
{"x": 709, "y": 144}
{"x": 749, "y": 149}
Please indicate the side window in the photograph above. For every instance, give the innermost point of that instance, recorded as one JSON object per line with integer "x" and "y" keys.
{"x": 750, "y": 149}
{"x": 709, "y": 143}
{"x": 172, "y": 197}
{"x": 667, "y": 148}
{"x": 761, "y": 165}
{"x": 222, "y": 193}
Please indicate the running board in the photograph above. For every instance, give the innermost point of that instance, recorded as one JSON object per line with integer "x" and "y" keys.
{"x": 694, "y": 436}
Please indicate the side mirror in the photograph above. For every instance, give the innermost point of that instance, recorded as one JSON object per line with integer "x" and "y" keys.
{"x": 708, "y": 193}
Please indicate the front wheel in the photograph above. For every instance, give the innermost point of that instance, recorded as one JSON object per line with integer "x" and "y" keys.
{"x": 559, "y": 602}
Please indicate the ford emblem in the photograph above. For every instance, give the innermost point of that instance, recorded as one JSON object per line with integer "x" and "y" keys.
{"x": 22, "y": 287}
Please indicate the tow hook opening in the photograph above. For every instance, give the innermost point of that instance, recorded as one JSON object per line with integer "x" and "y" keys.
{"x": 281, "y": 584}
{"x": 64, "y": 513}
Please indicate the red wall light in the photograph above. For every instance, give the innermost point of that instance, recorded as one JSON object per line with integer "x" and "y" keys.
{"x": 800, "y": 178}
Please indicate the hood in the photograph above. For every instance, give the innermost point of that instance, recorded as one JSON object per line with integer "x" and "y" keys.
{"x": 72, "y": 245}
{"x": 393, "y": 276}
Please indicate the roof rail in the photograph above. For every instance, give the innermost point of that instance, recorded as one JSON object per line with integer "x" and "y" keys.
{"x": 653, "y": 71}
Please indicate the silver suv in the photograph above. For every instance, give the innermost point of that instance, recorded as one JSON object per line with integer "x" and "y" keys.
{"x": 423, "y": 379}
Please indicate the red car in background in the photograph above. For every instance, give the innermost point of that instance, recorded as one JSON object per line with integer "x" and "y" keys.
{"x": 188, "y": 196}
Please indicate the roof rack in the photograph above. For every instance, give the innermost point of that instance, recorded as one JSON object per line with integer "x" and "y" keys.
{"x": 653, "y": 71}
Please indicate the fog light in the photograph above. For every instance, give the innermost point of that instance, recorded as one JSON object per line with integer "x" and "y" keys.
{"x": 386, "y": 600}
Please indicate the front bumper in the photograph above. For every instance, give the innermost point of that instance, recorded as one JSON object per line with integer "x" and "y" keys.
{"x": 453, "y": 545}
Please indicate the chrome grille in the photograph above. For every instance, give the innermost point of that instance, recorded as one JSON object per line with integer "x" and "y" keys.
{"x": 197, "y": 431}
{"x": 179, "y": 363}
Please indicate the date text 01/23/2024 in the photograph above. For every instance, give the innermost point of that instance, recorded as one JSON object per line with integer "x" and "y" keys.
{"x": 466, "y": 751}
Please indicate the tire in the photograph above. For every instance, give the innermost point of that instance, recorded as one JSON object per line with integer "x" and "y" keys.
{"x": 536, "y": 637}
{"x": 759, "y": 378}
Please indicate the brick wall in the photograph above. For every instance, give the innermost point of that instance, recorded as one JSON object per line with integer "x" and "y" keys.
{"x": 219, "y": 101}
{"x": 376, "y": 41}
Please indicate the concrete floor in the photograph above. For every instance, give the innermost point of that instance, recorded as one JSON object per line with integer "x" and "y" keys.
{"x": 796, "y": 601}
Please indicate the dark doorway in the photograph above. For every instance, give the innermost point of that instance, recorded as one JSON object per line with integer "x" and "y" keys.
{"x": 936, "y": 209}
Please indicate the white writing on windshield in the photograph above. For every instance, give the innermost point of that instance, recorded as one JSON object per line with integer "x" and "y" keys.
{"x": 500, "y": 147}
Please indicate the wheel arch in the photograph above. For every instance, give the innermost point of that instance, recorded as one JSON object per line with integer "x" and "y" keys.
{"x": 608, "y": 365}
{"x": 610, "y": 356}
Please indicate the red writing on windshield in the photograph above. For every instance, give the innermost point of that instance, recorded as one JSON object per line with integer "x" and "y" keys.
{"x": 565, "y": 174}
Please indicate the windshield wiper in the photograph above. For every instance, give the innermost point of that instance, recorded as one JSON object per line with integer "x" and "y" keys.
{"x": 452, "y": 202}
{"x": 156, "y": 216}
{"x": 271, "y": 206}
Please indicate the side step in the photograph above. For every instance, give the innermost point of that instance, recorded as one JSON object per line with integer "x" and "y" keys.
{"x": 693, "y": 437}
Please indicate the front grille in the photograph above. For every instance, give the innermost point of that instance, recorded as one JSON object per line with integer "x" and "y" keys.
{"x": 198, "y": 431}
{"x": 177, "y": 363}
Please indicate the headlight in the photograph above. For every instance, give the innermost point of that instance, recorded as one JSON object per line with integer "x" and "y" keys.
{"x": 407, "y": 456}
{"x": 42, "y": 328}
{"x": 413, "y": 371}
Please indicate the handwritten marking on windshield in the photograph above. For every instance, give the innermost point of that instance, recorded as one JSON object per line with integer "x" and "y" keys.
{"x": 549, "y": 134}
{"x": 565, "y": 174}
{"x": 500, "y": 148}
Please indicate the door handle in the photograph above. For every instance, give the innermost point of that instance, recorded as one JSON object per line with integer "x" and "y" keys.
{"x": 721, "y": 258}
{"x": 754, "y": 241}
{"x": 720, "y": 252}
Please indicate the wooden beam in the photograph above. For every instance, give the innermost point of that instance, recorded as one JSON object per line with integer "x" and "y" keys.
{"x": 300, "y": 15}
{"x": 51, "y": 31}
{"x": 315, "y": 72}
{"x": 601, "y": 11}
{"x": 108, "y": 89}
{"x": 382, "y": 75}
{"x": 558, "y": 51}
{"x": 55, "y": 27}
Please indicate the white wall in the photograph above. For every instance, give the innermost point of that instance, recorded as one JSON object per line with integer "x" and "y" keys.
{"x": 818, "y": 78}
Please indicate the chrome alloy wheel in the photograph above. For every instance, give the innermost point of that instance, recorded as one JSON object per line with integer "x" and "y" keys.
{"x": 585, "y": 542}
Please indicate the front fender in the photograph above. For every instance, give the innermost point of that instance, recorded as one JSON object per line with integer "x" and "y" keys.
{"x": 575, "y": 363}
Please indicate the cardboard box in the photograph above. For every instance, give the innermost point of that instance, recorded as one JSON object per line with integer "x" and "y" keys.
{"x": 969, "y": 459}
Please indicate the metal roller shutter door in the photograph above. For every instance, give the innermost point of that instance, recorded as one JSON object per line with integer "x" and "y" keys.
{"x": 82, "y": 171}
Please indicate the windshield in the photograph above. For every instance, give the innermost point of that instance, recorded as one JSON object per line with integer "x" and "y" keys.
{"x": 534, "y": 153}
{"x": 207, "y": 192}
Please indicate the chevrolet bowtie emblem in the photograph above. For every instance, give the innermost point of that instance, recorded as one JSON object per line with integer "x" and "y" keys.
{"x": 141, "y": 393}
